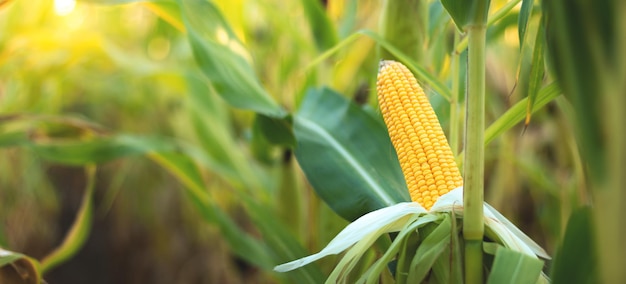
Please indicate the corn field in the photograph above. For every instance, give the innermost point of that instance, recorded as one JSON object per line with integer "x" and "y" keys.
{"x": 267, "y": 141}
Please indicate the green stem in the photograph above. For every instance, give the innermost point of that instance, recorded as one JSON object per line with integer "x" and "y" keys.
{"x": 473, "y": 222}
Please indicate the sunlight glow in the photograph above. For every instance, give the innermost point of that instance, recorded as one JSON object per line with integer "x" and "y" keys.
{"x": 64, "y": 7}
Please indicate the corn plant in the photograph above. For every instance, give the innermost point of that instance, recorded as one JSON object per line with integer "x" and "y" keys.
{"x": 309, "y": 115}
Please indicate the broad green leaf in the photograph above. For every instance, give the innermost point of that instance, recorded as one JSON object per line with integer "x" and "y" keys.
{"x": 347, "y": 155}
{"x": 79, "y": 231}
{"x": 437, "y": 238}
{"x": 99, "y": 150}
{"x": 224, "y": 60}
{"x": 467, "y": 12}
{"x": 575, "y": 260}
{"x": 321, "y": 26}
{"x": 267, "y": 134}
{"x": 277, "y": 131}
{"x": 581, "y": 45}
{"x": 18, "y": 268}
{"x": 210, "y": 120}
{"x": 514, "y": 267}
{"x": 585, "y": 44}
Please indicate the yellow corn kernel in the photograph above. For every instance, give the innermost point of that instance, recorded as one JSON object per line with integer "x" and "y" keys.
{"x": 425, "y": 156}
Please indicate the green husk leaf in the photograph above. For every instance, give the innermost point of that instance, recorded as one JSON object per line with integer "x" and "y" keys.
{"x": 373, "y": 274}
{"x": 514, "y": 267}
{"x": 449, "y": 267}
{"x": 432, "y": 246}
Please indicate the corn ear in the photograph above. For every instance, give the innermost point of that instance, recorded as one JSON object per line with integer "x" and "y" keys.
{"x": 425, "y": 157}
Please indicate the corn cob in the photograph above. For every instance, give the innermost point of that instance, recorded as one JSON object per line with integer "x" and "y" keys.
{"x": 425, "y": 156}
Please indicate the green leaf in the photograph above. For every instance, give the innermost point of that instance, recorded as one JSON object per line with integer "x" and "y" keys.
{"x": 278, "y": 131}
{"x": 465, "y": 12}
{"x": 522, "y": 21}
{"x": 373, "y": 273}
{"x": 437, "y": 238}
{"x": 582, "y": 47}
{"x": 517, "y": 112}
{"x": 224, "y": 60}
{"x": 99, "y": 150}
{"x": 347, "y": 155}
{"x": 211, "y": 122}
{"x": 514, "y": 267}
{"x": 575, "y": 261}
{"x": 267, "y": 134}
{"x": 449, "y": 267}
{"x": 321, "y": 26}
{"x": 79, "y": 231}
{"x": 537, "y": 72}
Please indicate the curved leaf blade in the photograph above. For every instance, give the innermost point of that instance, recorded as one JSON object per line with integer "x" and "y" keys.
{"x": 79, "y": 232}
{"x": 522, "y": 22}
{"x": 223, "y": 59}
{"x": 321, "y": 26}
{"x": 347, "y": 155}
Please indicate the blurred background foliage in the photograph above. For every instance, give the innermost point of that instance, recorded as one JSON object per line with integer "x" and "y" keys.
{"x": 75, "y": 72}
